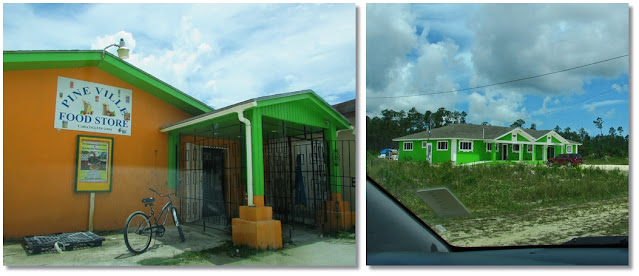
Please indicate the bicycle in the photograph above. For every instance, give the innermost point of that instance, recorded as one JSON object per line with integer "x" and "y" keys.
{"x": 138, "y": 230}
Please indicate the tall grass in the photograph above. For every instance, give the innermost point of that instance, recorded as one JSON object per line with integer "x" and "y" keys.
{"x": 497, "y": 189}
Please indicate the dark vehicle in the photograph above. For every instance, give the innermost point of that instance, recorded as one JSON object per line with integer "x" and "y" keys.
{"x": 569, "y": 159}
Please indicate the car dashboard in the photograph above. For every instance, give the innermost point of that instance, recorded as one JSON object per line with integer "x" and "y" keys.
{"x": 395, "y": 236}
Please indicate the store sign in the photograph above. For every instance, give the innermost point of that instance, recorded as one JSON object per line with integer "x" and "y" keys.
{"x": 93, "y": 107}
{"x": 94, "y": 164}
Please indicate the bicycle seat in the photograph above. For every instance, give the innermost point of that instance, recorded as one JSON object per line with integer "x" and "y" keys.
{"x": 148, "y": 200}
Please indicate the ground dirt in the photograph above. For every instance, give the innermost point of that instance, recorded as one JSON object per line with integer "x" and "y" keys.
{"x": 553, "y": 225}
{"x": 302, "y": 247}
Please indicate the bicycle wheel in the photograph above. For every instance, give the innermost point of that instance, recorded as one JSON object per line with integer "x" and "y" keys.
{"x": 176, "y": 220}
{"x": 137, "y": 232}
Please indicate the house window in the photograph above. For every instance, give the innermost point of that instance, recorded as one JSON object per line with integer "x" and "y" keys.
{"x": 424, "y": 144}
{"x": 530, "y": 148}
{"x": 442, "y": 145}
{"x": 489, "y": 147}
{"x": 408, "y": 146}
{"x": 515, "y": 148}
{"x": 465, "y": 146}
{"x": 569, "y": 149}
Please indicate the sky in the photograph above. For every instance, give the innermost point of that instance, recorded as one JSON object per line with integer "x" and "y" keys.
{"x": 220, "y": 54}
{"x": 414, "y": 49}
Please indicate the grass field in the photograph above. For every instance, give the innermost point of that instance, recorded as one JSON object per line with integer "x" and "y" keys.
{"x": 512, "y": 199}
{"x": 606, "y": 161}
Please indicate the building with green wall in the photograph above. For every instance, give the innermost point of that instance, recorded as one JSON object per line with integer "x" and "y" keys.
{"x": 468, "y": 143}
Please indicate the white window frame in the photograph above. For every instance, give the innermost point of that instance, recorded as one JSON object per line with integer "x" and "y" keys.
{"x": 465, "y": 150}
{"x": 408, "y": 143}
{"x": 424, "y": 144}
{"x": 445, "y": 142}
{"x": 529, "y": 148}
{"x": 489, "y": 147}
{"x": 568, "y": 148}
{"x": 518, "y": 148}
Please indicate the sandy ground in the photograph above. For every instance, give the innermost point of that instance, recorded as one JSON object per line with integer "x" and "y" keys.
{"x": 309, "y": 248}
{"x": 608, "y": 167}
{"x": 543, "y": 226}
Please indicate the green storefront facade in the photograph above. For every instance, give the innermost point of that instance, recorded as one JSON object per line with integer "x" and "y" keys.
{"x": 468, "y": 143}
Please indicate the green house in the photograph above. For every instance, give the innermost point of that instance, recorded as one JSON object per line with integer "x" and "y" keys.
{"x": 468, "y": 143}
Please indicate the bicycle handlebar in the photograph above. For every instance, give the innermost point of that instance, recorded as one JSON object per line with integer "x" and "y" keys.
{"x": 159, "y": 193}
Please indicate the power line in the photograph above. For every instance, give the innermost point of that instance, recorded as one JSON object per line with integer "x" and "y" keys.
{"x": 499, "y": 83}
{"x": 572, "y": 104}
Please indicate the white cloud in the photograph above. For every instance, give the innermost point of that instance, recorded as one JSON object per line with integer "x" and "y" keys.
{"x": 248, "y": 50}
{"x": 496, "y": 108}
{"x": 610, "y": 113}
{"x": 391, "y": 36}
{"x": 591, "y": 107}
{"x": 556, "y": 37}
{"x": 101, "y": 42}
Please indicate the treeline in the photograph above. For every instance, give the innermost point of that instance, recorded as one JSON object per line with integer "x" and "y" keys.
{"x": 392, "y": 124}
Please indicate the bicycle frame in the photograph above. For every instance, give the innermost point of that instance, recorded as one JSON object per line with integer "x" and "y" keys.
{"x": 166, "y": 208}
{"x": 140, "y": 243}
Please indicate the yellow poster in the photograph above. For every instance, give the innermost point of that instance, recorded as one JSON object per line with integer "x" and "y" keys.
{"x": 94, "y": 161}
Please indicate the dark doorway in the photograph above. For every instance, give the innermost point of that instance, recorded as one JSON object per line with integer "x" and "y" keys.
{"x": 504, "y": 152}
{"x": 551, "y": 152}
{"x": 213, "y": 184}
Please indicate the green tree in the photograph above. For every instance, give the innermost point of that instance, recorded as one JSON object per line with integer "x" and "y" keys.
{"x": 583, "y": 135}
{"x": 557, "y": 129}
{"x": 599, "y": 124}
{"x": 439, "y": 117}
{"x": 428, "y": 119}
{"x": 533, "y": 126}
{"x": 518, "y": 123}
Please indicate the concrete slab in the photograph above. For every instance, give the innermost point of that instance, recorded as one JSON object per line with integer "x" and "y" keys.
{"x": 332, "y": 253}
{"x": 309, "y": 248}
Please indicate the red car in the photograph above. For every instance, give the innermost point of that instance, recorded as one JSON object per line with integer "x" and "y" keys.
{"x": 565, "y": 159}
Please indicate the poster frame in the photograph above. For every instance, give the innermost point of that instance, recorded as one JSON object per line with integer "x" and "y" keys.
{"x": 88, "y": 187}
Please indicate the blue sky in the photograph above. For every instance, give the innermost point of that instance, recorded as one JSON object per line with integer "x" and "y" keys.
{"x": 220, "y": 54}
{"x": 421, "y": 48}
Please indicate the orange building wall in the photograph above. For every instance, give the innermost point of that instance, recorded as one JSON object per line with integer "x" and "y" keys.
{"x": 38, "y": 171}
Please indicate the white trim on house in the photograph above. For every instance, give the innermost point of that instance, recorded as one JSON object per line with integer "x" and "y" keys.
{"x": 489, "y": 147}
{"x": 568, "y": 148}
{"x": 519, "y": 131}
{"x": 463, "y": 149}
{"x": 438, "y": 149}
{"x": 529, "y": 148}
{"x": 408, "y": 143}
{"x": 561, "y": 139}
{"x": 453, "y": 151}
{"x": 518, "y": 147}
{"x": 429, "y": 153}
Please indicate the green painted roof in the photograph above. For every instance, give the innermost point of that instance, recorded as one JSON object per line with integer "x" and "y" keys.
{"x": 34, "y": 60}
{"x": 283, "y": 106}
{"x": 469, "y": 131}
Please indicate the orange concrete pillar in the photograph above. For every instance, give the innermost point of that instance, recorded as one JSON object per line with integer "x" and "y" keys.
{"x": 336, "y": 215}
{"x": 256, "y": 227}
